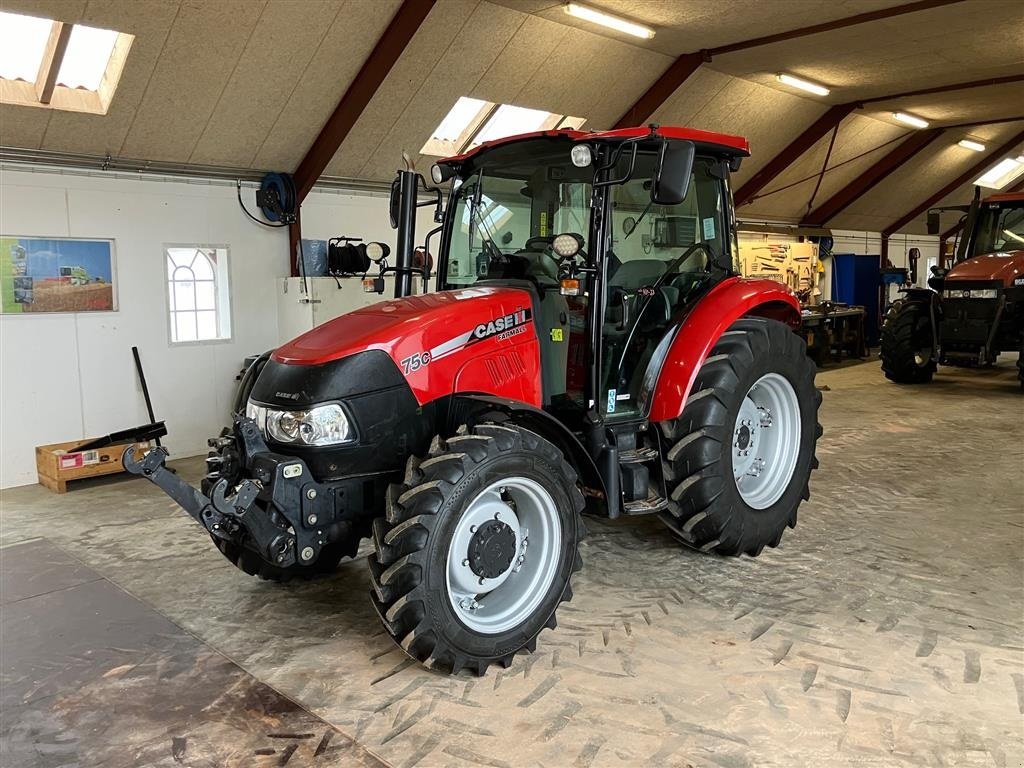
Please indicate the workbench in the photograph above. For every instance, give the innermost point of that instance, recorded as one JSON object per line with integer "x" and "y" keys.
{"x": 830, "y": 330}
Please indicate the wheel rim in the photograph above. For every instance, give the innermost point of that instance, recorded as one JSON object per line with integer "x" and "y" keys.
{"x": 515, "y": 521}
{"x": 766, "y": 441}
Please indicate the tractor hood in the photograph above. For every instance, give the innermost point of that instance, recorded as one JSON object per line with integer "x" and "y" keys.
{"x": 427, "y": 321}
{"x": 461, "y": 338}
{"x": 1004, "y": 267}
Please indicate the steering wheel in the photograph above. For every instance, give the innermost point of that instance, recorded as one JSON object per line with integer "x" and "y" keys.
{"x": 655, "y": 290}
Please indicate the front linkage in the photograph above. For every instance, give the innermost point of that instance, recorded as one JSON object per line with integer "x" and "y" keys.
{"x": 279, "y": 510}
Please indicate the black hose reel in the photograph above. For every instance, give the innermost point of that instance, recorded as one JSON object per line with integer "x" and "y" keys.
{"x": 277, "y": 198}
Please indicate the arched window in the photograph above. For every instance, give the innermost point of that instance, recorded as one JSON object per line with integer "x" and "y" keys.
{"x": 197, "y": 293}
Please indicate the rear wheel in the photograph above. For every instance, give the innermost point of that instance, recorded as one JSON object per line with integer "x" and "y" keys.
{"x": 738, "y": 459}
{"x": 477, "y": 548}
{"x": 1020, "y": 362}
{"x": 907, "y": 355}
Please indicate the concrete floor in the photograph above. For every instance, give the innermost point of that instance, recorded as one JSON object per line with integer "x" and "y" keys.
{"x": 888, "y": 630}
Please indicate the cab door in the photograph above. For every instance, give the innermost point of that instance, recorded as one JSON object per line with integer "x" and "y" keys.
{"x": 649, "y": 278}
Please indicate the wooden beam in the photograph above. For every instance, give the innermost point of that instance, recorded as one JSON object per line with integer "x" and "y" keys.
{"x": 392, "y": 43}
{"x": 53, "y": 57}
{"x": 871, "y": 177}
{"x": 964, "y": 178}
{"x": 663, "y": 87}
{"x": 947, "y": 88}
{"x": 688, "y": 63}
{"x": 827, "y": 122}
{"x": 829, "y": 26}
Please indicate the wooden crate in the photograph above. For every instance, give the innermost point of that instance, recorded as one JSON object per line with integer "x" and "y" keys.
{"x": 59, "y": 463}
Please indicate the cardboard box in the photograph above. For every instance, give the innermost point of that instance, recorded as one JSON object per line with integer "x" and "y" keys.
{"x": 59, "y": 463}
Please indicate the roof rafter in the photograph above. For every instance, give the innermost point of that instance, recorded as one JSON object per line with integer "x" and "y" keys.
{"x": 382, "y": 58}
{"x": 404, "y": 24}
{"x": 688, "y": 63}
{"x": 810, "y": 136}
{"x": 748, "y": 192}
{"x": 871, "y": 177}
{"x": 918, "y": 141}
{"x": 964, "y": 178}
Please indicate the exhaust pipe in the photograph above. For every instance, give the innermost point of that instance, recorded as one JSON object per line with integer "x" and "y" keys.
{"x": 407, "y": 183}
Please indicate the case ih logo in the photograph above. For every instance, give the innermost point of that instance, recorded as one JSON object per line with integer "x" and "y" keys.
{"x": 501, "y": 324}
{"x": 503, "y": 327}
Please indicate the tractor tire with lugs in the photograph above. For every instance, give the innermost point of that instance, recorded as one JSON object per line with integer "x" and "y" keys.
{"x": 477, "y": 548}
{"x": 737, "y": 461}
{"x": 907, "y": 343}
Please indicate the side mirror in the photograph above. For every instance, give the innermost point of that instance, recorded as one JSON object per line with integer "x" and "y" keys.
{"x": 671, "y": 179}
{"x": 934, "y": 227}
{"x": 394, "y": 201}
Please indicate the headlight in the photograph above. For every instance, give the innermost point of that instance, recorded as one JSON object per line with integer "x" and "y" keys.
{"x": 321, "y": 425}
{"x": 976, "y": 293}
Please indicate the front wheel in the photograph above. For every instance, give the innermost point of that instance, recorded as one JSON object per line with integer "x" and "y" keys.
{"x": 738, "y": 459}
{"x": 906, "y": 347}
{"x": 477, "y": 548}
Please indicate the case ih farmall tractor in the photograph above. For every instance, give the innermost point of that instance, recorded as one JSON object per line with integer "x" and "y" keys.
{"x": 974, "y": 310}
{"x": 589, "y": 347}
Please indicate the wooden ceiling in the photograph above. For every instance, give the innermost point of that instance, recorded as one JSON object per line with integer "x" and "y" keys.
{"x": 250, "y": 83}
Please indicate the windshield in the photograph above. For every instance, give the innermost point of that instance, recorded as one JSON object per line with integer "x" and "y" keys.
{"x": 1000, "y": 228}
{"x": 507, "y": 213}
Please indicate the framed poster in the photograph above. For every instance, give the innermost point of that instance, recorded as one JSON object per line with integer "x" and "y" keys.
{"x": 54, "y": 274}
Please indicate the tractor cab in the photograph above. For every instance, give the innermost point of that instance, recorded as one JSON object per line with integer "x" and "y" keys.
{"x": 615, "y": 235}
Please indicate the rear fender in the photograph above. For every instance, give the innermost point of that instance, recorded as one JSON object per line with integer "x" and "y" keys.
{"x": 728, "y": 301}
{"x": 473, "y": 408}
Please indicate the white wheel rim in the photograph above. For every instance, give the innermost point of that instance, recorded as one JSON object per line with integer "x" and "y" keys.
{"x": 765, "y": 441}
{"x": 493, "y": 605}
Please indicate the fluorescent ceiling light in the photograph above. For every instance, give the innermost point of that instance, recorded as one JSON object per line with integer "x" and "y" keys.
{"x": 803, "y": 85}
{"x": 1001, "y": 174}
{"x": 913, "y": 120}
{"x": 977, "y": 146}
{"x": 23, "y": 41}
{"x": 86, "y": 57}
{"x": 606, "y": 20}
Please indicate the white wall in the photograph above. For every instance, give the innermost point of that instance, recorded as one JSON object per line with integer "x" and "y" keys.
{"x": 69, "y": 376}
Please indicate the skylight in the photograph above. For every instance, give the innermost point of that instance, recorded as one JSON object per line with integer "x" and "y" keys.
{"x": 1002, "y": 173}
{"x": 47, "y": 63}
{"x": 22, "y": 44}
{"x": 472, "y": 122}
{"x": 86, "y": 58}
{"x": 510, "y": 121}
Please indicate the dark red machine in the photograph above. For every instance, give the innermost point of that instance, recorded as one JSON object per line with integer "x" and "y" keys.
{"x": 588, "y": 347}
{"x": 974, "y": 310}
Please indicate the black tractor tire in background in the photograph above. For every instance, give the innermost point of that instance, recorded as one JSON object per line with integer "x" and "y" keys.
{"x": 706, "y": 509}
{"x": 409, "y": 566}
{"x": 906, "y": 332}
{"x": 1020, "y": 362}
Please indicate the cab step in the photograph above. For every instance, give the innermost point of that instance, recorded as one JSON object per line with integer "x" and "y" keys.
{"x": 638, "y": 455}
{"x": 653, "y": 503}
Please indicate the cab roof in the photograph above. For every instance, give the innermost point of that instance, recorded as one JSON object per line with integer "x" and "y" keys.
{"x": 731, "y": 145}
{"x": 1005, "y": 197}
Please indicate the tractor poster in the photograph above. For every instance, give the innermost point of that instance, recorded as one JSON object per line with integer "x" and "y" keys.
{"x": 39, "y": 275}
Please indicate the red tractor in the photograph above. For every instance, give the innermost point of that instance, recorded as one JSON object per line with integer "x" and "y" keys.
{"x": 973, "y": 311}
{"x": 589, "y": 347}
